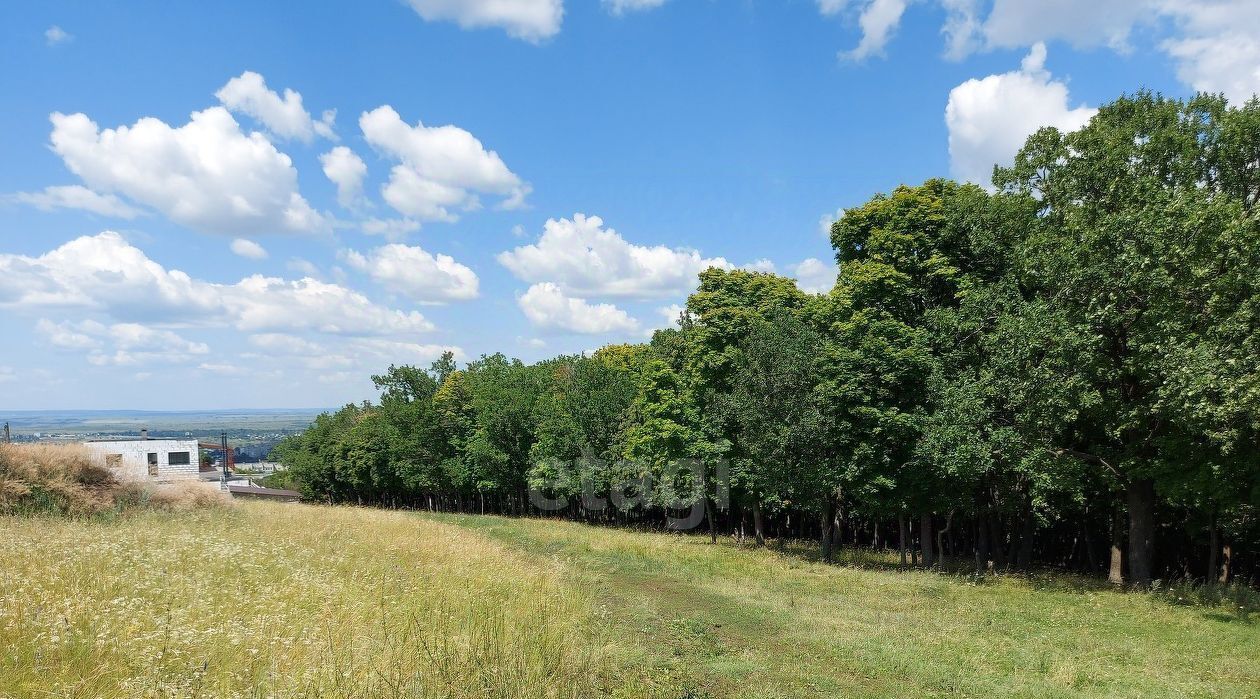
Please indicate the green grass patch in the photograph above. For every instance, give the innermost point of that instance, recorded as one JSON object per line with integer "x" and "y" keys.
{"x": 265, "y": 599}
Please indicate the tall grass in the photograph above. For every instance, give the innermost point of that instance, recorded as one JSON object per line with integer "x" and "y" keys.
{"x": 65, "y": 479}
{"x": 288, "y": 600}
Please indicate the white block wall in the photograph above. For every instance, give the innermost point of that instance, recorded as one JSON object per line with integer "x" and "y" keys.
{"x": 135, "y": 464}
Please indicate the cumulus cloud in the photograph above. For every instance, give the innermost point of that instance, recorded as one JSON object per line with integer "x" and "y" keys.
{"x": 621, "y": 7}
{"x": 1215, "y": 44}
{"x": 1218, "y": 49}
{"x": 814, "y": 276}
{"x": 416, "y": 273}
{"x": 531, "y": 20}
{"x": 84, "y": 335}
{"x": 248, "y": 249}
{"x": 878, "y": 21}
{"x": 56, "y": 35}
{"x": 1016, "y": 23}
{"x": 582, "y": 257}
{"x": 671, "y": 314}
{"x": 441, "y": 170}
{"x": 346, "y": 170}
{"x": 120, "y": 344}
{"x": 990, "y": 118}
{"x": 76, "y": 196}
{"x": 105, "y": 274}
{"x": 825, "y": 221}
{"x": 360, "y": 354}
{"x": 206, "y": 174}
{"x": 548, "y": 308}
{"x": 283, "y": 116}
{"x": 390, "y": 228}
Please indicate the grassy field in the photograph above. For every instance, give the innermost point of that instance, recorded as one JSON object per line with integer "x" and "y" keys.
{"x": 275, "y": 600}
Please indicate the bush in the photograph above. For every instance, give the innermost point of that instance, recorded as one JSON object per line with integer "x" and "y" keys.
{"x": 65, "y": 480}
{"x": 1238, "y": 599}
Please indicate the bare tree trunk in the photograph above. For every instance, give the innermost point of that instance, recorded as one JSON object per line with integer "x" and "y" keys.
{"x": 982, "y": 544}
{"x": 759, "y": 524}
{"x": 903, "y": 535}
{"x": 925, "y": 539}
{"x": 827, "y": 529}
{"x": 1226, "y": 554}
{"x": 1115, "y": 574}
{"x": 940, "y": 536}
{"x": 1141, "y": 498}
{"x": 1214, "y": 548}
{"x": 708, "y": 513}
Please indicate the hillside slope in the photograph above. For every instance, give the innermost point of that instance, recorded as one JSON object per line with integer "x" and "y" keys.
{"x": 279, "y": 600}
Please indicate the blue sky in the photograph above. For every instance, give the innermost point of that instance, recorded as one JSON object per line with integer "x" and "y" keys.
{"x": 528, "y": 176}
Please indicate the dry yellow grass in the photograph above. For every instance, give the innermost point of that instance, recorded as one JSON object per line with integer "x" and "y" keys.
{"x": 64, "y": 479}
{"x": 272, "y": 600}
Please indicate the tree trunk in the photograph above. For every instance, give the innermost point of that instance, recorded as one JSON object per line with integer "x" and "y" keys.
{"x": 940, "y": 537}
{"x": 1028, "y": 530}
{"x": 1115, "y": 574}
{"x": 1226, "y": 554}
{"x": 982, "y": 543}
{"x": 925, "y": 539}
{"x": 827, "y": 529}
{"x": 1214, "y": 549}
{"x": 904, "y": 534}
{"x": 1141, "y": 500}
{"x": 759, "y": 524}
{"x": 708, "y": 513}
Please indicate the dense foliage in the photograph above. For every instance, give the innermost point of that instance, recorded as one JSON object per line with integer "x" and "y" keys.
{"x": 1064, "y": 370}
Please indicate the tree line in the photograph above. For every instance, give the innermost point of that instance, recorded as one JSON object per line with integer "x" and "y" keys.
{"x": 1063, "y": 370}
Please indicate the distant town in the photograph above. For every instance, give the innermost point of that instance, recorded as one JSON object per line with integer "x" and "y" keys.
{"x": 251, "y": 434}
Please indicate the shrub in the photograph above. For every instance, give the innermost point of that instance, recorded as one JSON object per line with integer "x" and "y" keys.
{"x": 64, "y": 479}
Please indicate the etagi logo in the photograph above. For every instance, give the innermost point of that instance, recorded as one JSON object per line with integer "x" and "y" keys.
{"x": 689, "y": 486}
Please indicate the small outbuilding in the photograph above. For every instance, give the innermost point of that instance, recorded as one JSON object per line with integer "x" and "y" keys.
{"x": 142, "y": 457}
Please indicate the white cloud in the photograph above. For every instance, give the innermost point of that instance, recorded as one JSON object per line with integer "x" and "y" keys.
{"x": 222, "y": 369}
{"x": 531, "y": 20}
{"x": 104, "y": 273}
{"x": 582, "y": 257}
{"x": 67, "y": 335}
{"x": 130, "y": 344}
{"x": 346, "y": 170}
{"x": 878, "y": 21}
{"x": 1084, "y": 23}
{"x": 961, "y": 28}
{"x": 361, "y": 354}
{"x": 1215, "y": 44}
{"x": 285, "y": 117}
{"x": 990, "y": 118}
{"x": 1219, "y": 46}
{"x": 548, "y": 308}
{"x": 306, "y": 268}
{"x": 248, "y": 249}
{"x": 762, "y": 265}
{"x": 415, "y": 273}
{"x": 814, "y": 276}
{"x": 825, "y": 221}
{"x": 390, "y": 228}
{"x": 442, "y": 170}
{"x": 56, "y": 35}
{"x": 206, "y": 174}
{"x": 7, "y": 374}
{"x": 76, "y": 196}
{"x": 621, "y": 7}
{"x": 671, "y": 314}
